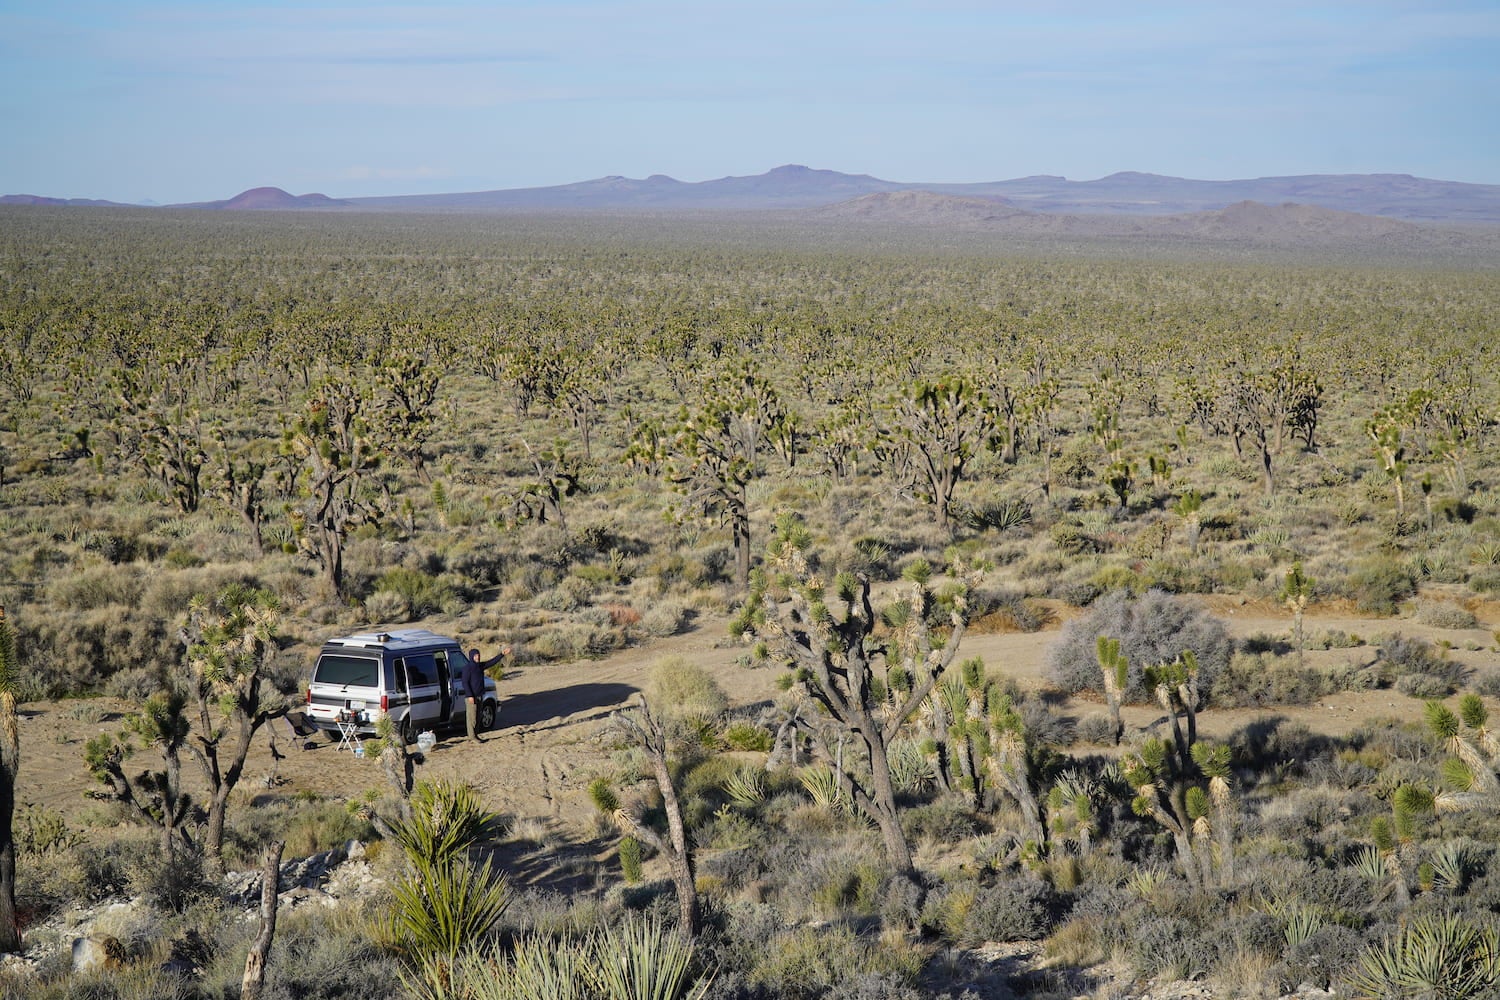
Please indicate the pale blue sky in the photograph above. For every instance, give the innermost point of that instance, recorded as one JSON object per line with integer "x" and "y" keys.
{"x": 182, "y": 101}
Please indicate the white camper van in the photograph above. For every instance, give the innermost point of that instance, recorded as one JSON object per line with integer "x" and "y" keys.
{"x": 412, "y": 675}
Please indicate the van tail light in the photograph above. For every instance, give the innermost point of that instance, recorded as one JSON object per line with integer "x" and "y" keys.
{"x": 309, "y": 696}
{"x": 385, "y": 703}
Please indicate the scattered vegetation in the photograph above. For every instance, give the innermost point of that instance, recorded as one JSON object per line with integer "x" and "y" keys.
{"x": 221, "y": 440}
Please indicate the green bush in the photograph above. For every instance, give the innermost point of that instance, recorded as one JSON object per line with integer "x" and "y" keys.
{"x": 1379, "y": 585}
{"x": 630, "y": 860}
{"x": 744, "y": 735}
{"x": 422, "y": 594}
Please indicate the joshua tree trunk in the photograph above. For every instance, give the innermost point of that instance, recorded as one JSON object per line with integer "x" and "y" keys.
{"x": 255, "y": 963}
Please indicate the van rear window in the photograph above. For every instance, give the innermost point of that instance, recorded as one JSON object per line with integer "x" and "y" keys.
{"x": 356, "y": 671}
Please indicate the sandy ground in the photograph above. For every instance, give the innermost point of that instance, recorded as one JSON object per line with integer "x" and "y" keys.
{"x": 550, "y": 739}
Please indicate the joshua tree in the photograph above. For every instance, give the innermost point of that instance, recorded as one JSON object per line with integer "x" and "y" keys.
{"x": 155, "y": 798}
{"x": 1011, "y": 762}
{"x": 1470, "y": 772}
{"x": 653, "y": 733}
{"x": 1387, "y": 430}
{"x": 406, "y": 405}
{"x": 681, "y": 701}
{"x": 937, "y": 428}
{"x": 229, "y": 639}
{"x": 332, "y": 441}
{"x": 240, "y": 484}
{"x": 1168, "y": 778}
{"x": 10, "y": 764}
{"x": 868, "y": 685}
{"x": 1270, "y": 400}
{"x": 1189, "y": 508}
{"x": 1296, "y": 592}
{"x": 1115, "y": 669}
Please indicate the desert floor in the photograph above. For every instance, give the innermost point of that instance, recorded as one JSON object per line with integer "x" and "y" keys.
{"x": 551, "y": 739}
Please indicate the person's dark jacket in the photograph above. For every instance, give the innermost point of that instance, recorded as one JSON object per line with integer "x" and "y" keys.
{"x": 473, "y": 677}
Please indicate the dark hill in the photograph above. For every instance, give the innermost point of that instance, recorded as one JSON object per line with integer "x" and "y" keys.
{"x": 270, "y": 199}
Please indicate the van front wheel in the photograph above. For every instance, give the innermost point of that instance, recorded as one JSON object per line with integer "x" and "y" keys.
{"x": 486, "y": 716}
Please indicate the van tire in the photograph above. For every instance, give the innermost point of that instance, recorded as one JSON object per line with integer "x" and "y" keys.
{"x": 485, "y": 720}
{"x": 404, "y": 732}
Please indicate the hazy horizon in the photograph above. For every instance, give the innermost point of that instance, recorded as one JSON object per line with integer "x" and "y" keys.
{"x": 178, "y": 102}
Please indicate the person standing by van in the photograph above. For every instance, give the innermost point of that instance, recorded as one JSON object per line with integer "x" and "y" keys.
{"x": 473, "y": 677}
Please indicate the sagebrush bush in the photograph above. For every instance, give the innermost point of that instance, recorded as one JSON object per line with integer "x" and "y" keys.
{"x": 1442, "y": 614}
{"x": 1257, "y": 679}
{"x": 1325, "y": 958}
{"x": 1019, "y": 908}
{"x": 1153, "y": 628}
{"x": 809, "y": 962}
{"x": 1379, "y": 585}
{"x": 1172, "y": 948}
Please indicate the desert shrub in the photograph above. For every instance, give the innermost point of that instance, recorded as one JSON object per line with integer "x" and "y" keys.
{"x": 1072, "y": 540}
{"x": 576, "y": 641}
{"x": 1414, "y": 667}
{"x": 664, "y": 618}
{"x": 328, "y": 954}
{"x": 856, "y": 886}
{"x": 1096, "y": 728}
{"x": 1334, "y": 639}
{"x": 1485, "y": 581}
{"x": 480, "y": 561}
{"x": 386, "y": 606}
{"x": 1255, "y": 679}
{"x": 809, "y": 962}
{"x": 1378, "y": 585}
{"x": 1441, "y": 614}
{"x": 684, "y": 690}
{"x": 1153, "y": 628}
{"x": 310, "y": 828}
{"x": 1425, "y": 686}
{"x": 569, "y": 595}
{"x": 1326, "y": 957}
{"x": 135, "y": 683}
{"x": 170, "y": 882}
{"x": 1172, "y": 948}
{"x": 1013, "y": 909}
{"x": 744, "y": 735}
{"x": 1407, "y": 655}
{"x": 946, "y": 820}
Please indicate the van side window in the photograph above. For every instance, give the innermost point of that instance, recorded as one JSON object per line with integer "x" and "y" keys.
{"x": 401, "y": 674}
{"x": 420, "y": 670}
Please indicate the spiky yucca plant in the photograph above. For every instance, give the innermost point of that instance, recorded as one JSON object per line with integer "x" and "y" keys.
{"x": 637, "y": 960}
{"x": 440, "y": 908}
{"x": 443, "y": 901}
{"x": 1438, "y": 956}
{"x": 642, "y": 960}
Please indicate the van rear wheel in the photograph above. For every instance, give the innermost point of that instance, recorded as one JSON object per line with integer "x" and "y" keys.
{"x": 404, "y": 731}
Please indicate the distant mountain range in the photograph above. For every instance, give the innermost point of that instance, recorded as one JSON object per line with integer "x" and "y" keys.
{"x": 1288, "y": 224}
{"x": 792, "y": 187}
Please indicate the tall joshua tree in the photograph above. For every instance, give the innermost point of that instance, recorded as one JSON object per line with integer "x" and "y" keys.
{"x": 334, "y": 443}
{"x": 867, "y": 684}
{"x": 10, "y": 763}
{"x": 229, "y": 639}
